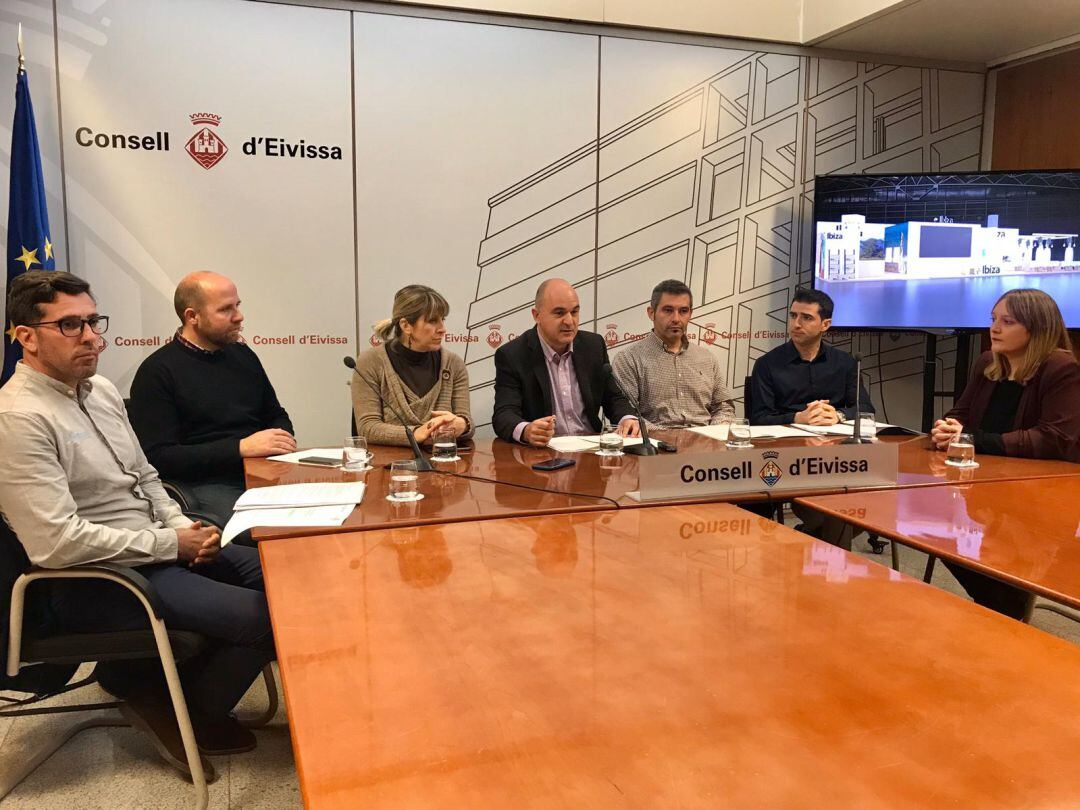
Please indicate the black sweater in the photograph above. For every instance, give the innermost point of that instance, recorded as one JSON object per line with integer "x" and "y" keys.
{"x": 190, "y": 410}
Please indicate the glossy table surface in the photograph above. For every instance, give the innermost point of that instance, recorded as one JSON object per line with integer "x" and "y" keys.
{"x": 1023, "y": 532}
{"x": 447, "y": 498}
{"x": 594, "y": 482}
{"x": 676, "y": 656}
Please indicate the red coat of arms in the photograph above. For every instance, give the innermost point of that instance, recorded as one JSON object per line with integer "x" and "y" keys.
{"x": 494, "y": 337}
{"x": 205, "y": 147}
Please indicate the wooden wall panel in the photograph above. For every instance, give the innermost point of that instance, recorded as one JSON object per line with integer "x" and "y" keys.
{"x": 1037, "y": 114}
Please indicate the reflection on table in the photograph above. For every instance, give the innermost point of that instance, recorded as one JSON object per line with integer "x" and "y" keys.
{"x": 1023, "y": 532}
{"x": 690, "y": 656}
{"x": 503, "y": 483}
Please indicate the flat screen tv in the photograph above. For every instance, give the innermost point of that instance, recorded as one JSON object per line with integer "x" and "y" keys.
{"x": 935, "y": 251}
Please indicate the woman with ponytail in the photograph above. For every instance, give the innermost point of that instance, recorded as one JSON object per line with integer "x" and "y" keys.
{"x": 411, "y": 373}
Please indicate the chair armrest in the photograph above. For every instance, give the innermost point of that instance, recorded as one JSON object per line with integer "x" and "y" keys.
{"x": 177, "y": 493}
{"x": 129, "y": 578}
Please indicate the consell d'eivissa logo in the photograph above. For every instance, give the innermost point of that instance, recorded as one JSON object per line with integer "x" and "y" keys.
{"x": 770, "y": 472}
{"x": 206, "y": 147}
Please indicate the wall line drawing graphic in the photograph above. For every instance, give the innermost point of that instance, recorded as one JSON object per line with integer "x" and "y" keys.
{"x": 714, "y": 187}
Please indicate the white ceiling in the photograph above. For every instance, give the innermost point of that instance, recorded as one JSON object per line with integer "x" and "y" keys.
{"x": 981, "y": 31}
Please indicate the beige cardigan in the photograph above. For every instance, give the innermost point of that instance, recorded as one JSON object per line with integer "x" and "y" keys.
{"x": 381, "y": 426}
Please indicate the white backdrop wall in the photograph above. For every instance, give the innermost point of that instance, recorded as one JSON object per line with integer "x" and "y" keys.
{"x": 483, "y": 157}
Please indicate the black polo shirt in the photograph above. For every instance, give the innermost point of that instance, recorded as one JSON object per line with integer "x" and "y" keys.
{"x": 783, "y": 384}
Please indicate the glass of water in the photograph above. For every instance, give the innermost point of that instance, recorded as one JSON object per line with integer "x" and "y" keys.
{"x": 404, "y": 481}
{"x": 355, "y": 454}
{"x": 611, "y": 443}
{"x": 444, "y": 444}
{"x": 961, "y": 451}
{"x": 738, "y": 435}
{"x": 867, "y": 426}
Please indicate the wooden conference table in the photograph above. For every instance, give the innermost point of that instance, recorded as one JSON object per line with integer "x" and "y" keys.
{"x": 674, "y": 656}
{"x": 1026, "y": 533}
{"x": 513, "y": 488}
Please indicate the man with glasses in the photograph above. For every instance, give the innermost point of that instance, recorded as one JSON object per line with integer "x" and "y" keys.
{"x": 76, "y": 488}
{"x": 202, "y": 403}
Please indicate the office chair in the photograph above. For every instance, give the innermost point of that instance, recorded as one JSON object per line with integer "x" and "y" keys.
{"x": 40, "y": 661}
{"x": 175, "y": 489}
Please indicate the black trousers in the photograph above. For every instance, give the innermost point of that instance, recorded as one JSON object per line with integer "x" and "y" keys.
{"x": 990, "y": 592}
{"x": 224, "y": 601}
{"x": 215, "y": 499}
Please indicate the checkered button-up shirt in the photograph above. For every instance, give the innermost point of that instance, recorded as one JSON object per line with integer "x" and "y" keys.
{"x": 674, "y": 390}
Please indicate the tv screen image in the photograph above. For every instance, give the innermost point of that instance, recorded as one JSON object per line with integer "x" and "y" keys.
{"x": 935, "y": 251}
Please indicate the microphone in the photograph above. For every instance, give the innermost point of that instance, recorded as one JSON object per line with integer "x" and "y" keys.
{"x": 422, "y": 464}
{"x": 856, "y": 428}
{"x": 646, "y": 447}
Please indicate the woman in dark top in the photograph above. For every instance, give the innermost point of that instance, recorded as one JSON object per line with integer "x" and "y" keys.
{"x": 1023, "y": 400}
{"x": 1024, "y": 395}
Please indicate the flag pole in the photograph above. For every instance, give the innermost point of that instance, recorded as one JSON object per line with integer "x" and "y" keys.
{"x": 22, "y": 59}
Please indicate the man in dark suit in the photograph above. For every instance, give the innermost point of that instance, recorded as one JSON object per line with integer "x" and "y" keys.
{"x": 549, "y": 381}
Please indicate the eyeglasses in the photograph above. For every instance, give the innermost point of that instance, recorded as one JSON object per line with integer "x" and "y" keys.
{"x": 73, "y": 327}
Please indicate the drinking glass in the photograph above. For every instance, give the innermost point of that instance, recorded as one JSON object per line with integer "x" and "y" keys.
{"x": 867, "y": 426}
{"x": 961, "y": 451}
{"x": 355, "y": 454}
{"x": 611, "y": 443}
{"x": 404, "y": 481}
{"x": 739, "y": 434}
{"x": 444, "y": 444}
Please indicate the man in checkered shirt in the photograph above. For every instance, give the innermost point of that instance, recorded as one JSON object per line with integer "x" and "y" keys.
{"x": 676, "y": 384}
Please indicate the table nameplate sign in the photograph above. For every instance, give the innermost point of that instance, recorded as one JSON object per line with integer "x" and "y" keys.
{"x": 778, "y": 469}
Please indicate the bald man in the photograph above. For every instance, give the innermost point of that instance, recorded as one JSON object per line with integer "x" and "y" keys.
{"x": 202, "y": 403}
{"x": 549, "y": 381}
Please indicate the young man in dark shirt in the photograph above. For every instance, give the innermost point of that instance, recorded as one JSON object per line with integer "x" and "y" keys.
{"x": 202, "y": 403}
{"x": 805, "y": 381}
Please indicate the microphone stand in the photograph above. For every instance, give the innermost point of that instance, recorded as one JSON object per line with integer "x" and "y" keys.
{"x": 422, "y": 464}
{"x": 646, "y": 448}
{"x": 856, "y": 430}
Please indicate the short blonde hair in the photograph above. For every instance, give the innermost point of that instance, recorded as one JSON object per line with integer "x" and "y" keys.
{"x": 1039, "y": 314}
{"x": 412, "y": 303}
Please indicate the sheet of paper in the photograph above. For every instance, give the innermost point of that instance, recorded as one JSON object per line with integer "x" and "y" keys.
{"x": 329, "y": 453}
{"x": 720, "y": 432}
{"x": 839, "y": 429}
{"x": 295, "y": 495}
{"x": 303, "y": 516}
{"x": 581, "y": 444}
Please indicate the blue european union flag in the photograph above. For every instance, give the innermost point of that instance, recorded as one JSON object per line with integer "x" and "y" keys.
{"x": 29, "y": 245}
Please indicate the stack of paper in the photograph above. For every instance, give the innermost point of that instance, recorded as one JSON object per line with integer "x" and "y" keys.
{"x": 720, "y": 432}
{"x": 294, "y": 505}
{"x": 579, "y": 444}
{"x": 847, "y": 428}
